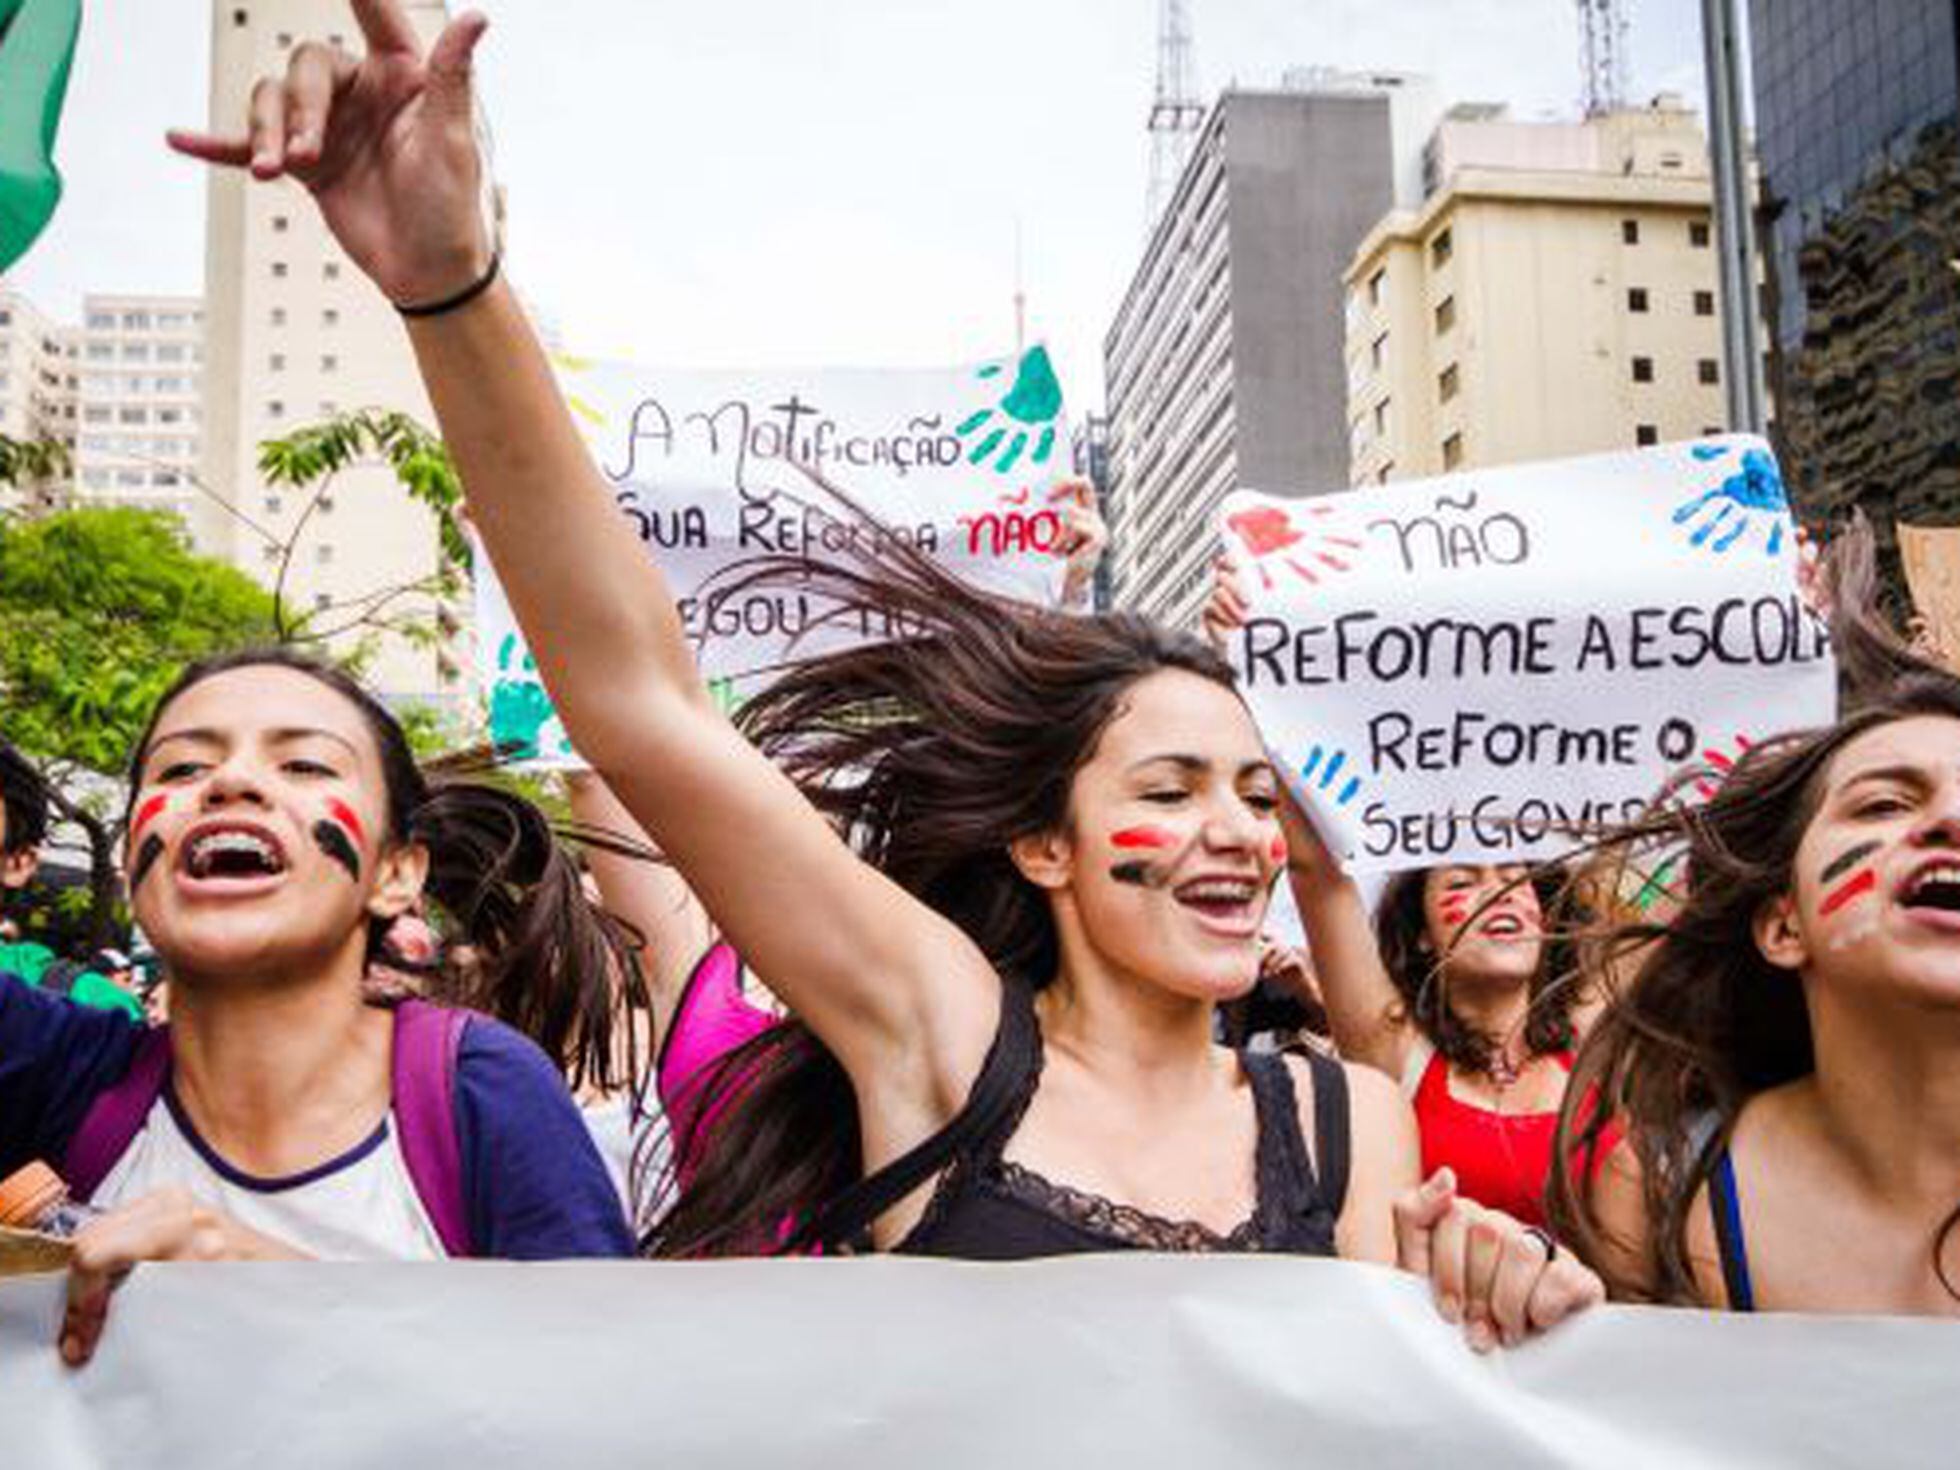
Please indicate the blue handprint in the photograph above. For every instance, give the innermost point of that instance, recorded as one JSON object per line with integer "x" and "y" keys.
{"x": 1003, "y": 430}
{"x": 1750, "y": 496}
{"x": 519, "y": 707}
{"x": 1328, "y": 774}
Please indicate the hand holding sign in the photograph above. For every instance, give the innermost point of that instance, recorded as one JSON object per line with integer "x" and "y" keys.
{"x": 386, "y": 145}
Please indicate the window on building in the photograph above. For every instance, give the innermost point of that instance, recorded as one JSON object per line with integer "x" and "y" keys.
{"x": 1630, "y": 231}
{"x": 101, "y": 321}
{"x": 273, "y": 552}
{"x": 1445, "y": 315}
{"x": 1708, "y": 370}
{"x": 95, "y": 414}
{"x": 275, "y": 409}
{"x": 280, "y": 224}
{"x": 329, "y": 318}
{"x": 136, "y": 352}
{"x": 1709, "y": 431}
{"x": 323, "y": 552}
{"x": 273, "y": 505}
{"x": 278, "y": 270}
{"x": 328, "y": 408}
{"x": 329, "y": 363}
{"x": 133, "y": 416}
{"x": 1704, "y": 303}
{"x": 96, "y": 479}
{"x": 99, "y": 351}
{"x": 1643, "y": 370}
{"x": 136, "y": 321}
{"x": 279, "y": 316}
{"x": 321, "y": 602}
{"x": 170, "y": 352}
{"x": 330, "y": 271}
{"x": 1452, "y": 451}
{"x": 1441, "y": 249}
{"x": 1698, "y": 233}
{"x": 1645, "y": 435}
{"x": 1378, "y": 352}
{"x": 129, "y": 477}
{"x": 285, "y": 39}
{"x": 1446, "y": 384}
{"x": 277, "y": 362}
{"x": 167, "y": 479}
{"x": 324, "y": 505}
{"x": 1377, "y": 287}
{"x": 170, "y": 321}
{"x": 1637, "y": 300}
{"x": 1381, "y": 418}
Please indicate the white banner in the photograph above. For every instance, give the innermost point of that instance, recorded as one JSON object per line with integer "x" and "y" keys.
{"x": 959, "y": 461}
{"x": 1468, "y": 669}
{"x": 1129, "y": 1362}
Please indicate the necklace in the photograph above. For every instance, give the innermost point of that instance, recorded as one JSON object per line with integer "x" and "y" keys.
{"x": 1503, "y": 1071}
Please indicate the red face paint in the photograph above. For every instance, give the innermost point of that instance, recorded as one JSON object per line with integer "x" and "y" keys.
{"x": 1142, "y": 837}
{"x": 1278, "y": 850}
{"x": 1864, "y": 883}
{"x": 342, "y": 813}
{"x": 147, "y": 813}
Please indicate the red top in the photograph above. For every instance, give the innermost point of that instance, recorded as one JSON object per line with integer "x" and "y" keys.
{"x": 1502, "y": 1160}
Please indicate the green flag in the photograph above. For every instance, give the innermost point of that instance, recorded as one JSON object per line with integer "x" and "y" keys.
{"x": 37, "y": 45}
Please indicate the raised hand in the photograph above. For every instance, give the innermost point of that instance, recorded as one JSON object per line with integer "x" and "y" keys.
{"x": 386, "y": 145}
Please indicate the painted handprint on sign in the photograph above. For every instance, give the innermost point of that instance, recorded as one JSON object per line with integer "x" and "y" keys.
{"x": 1311, "y": 551}
{"x": 1720, "y": 763}
{"x": 1751, "y": 497}
{"x": 1322, "y": 771}
{"x": 520, "y": 710}
{"x": 1002, "y": 433}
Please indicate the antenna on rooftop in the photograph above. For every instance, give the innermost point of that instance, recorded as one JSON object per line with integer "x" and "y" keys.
{"x": 1603, "y": 55}
{"x": 1176, "y": 113}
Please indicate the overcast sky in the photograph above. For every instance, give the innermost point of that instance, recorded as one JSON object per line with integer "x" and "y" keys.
{"x": 777, "y": 181}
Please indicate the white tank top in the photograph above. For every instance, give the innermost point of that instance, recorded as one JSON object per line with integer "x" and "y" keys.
{"x": 361, "y": 1206}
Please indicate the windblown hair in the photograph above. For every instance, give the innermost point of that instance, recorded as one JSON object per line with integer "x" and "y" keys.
{"x": 931, "y": 753}
{"x": 24, "y": 791}
{"x": 542, "y": 958}
{"x": 1420, "y": 977}
{"x": 1707, "y": 1023}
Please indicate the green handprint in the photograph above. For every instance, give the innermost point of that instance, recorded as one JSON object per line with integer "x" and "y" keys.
{"x": 519, "y": 707}
{"x": 1033, "y": 401}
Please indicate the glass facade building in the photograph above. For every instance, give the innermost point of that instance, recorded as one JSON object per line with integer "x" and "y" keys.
{"x": 1858, "y": 130}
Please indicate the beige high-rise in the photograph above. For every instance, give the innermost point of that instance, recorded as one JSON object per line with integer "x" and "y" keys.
{"x": 1555, "y": 295}
{"x": 293, "y": 334}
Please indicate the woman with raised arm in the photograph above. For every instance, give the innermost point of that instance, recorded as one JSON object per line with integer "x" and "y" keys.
{"x": 1786, "y": 1060}
{"x": 1068, "y": 827}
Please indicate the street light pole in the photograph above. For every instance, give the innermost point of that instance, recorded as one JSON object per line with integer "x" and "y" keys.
{"x": 1735, "y": 230}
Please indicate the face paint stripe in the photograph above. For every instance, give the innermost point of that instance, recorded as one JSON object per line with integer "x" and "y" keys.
{"x": 1864, "y": 883}
{"x": 342, "y": 813}
{"x": 1134, "y": 837}
{"x": 1847, "y": 861}
{"x": 1278, "y": 850}
{"x": 146, "y": 859}
{"x": 333, "y": 842}
{"x": 1138, "y": 875}
{"x": 148, "y": 812}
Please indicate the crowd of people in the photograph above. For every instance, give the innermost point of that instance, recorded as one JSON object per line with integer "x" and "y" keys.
{"x": 930, "y": 949}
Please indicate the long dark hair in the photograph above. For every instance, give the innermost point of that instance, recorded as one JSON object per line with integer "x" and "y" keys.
{"x": 1416, "y": 969}
{"x": 544, "y": 958}
{"x": 1707, "y": 1023}
{"x": 931, "y": 753}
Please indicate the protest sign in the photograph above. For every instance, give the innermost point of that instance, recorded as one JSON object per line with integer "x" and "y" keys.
{"x": 1932, "y": 562}
{"x": 888, "y": 1364}
{"x": 1473, "y": 668}
{"x": 960, "y": 462}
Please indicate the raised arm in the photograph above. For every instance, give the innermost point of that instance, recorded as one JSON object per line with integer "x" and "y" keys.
{"x": 387, "y": 146}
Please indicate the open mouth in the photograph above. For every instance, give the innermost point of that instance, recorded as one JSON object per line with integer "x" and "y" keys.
{"x": 1227, "y": 902}
{"x": 1934, "y": 887}
{"x": 220, "y": 854}
{"x": 1508, "y": 926}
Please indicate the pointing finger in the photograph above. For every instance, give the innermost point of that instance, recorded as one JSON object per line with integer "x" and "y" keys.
{"x": 386, "y": 26}
{"x": 208, "y": 148}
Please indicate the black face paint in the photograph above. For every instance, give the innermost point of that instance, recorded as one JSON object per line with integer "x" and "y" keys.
{"x": 146, "y": 859}
{"x": 1139, "y": 875}
{"x": 336, "y": 844}
{"x": 1844, "y": 863}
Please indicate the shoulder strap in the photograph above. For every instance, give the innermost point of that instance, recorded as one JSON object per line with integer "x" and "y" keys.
{"x": 1333, "y": 1129}
{"x": 1422, "y": 1051}
{"x": 1726, "y": 1206}
{"x": 427, "y": 1040}
{"x": 116, "y": 1116}
{"x": 995, "y": 1096}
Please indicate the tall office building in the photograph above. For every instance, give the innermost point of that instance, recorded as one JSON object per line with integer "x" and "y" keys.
{"x": 1555, "y": 295}
{"x": 37, "y": 393}
{"x": 1858, "y": 129}
{"x": 140, "y": 360}
{"x": 1225, "y": 364}
{"x": 294, "y": 333}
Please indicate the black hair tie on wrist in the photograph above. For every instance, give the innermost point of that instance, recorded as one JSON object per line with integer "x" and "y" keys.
{"x": 462, "y": 298}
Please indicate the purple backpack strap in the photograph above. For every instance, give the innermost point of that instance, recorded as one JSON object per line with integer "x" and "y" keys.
{"x": 117, "y": 1115}
{"x": 427, "y": 1039}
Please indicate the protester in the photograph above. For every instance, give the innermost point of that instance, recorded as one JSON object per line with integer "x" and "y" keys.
{"x": 277, "y": 827}
{"x": 23, "y": 828}
{"x": 1786, "y": 1059}
{"x": 1068, "y": 826}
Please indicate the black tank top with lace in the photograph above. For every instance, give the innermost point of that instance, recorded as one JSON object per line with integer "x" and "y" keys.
{"x": 986, "y": 1208}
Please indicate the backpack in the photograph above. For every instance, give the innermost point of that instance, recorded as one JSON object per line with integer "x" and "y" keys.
{"x": 423, "y": 1101}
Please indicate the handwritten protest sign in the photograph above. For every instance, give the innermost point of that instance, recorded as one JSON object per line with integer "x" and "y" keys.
{"x": 704, "y": 466}
{"x": 1932, "y": 562}
{"x": 1471, "y": 668}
